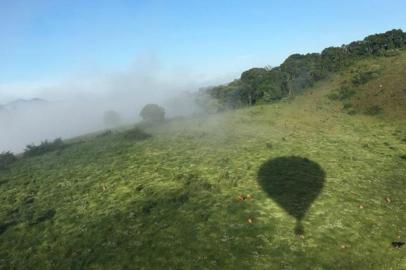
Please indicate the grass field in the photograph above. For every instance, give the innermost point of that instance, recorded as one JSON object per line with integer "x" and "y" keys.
{"x": 298, "y": 184}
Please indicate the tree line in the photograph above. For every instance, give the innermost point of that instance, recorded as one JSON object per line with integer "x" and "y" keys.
{"x": 300, "y": 71}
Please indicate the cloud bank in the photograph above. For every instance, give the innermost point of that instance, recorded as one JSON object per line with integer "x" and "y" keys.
{"x": 76, "y": 106}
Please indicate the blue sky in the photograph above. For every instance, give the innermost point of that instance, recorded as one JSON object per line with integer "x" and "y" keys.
{"x": 51, "y": 40}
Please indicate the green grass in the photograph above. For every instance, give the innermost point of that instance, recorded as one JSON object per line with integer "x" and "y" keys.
{"x": 374, "y": 86}
{"x": 173, "y": 200}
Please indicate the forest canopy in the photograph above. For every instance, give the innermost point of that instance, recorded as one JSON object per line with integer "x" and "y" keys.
{"x": 299, "y": 71}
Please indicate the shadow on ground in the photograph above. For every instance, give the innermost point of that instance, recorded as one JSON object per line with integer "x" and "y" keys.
{"x": 294, "y": 183}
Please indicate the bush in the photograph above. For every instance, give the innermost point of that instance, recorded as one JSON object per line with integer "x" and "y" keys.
{"x": 373, "y": 110}
{"x": 6, "y": 159}
{"x": 136, "y": 134}
{"x": 44, "y": 147}
{"x": 362, "y": 77}
{"x": 347, "y": 108}
{"x": 153, "y": 113}
{"x": 343, "y": 93}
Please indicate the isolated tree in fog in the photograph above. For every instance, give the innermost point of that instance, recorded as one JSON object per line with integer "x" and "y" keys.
{"x": 111, "y": 119}
{"x": 152, "y": 113}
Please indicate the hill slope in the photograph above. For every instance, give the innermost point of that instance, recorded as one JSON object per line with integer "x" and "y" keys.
{"x": 382, "y": 86}
{"x": 179, "y": 199}
{"x": 301, "y": 71}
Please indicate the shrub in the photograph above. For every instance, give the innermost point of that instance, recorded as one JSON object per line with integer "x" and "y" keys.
{"x": 362, "y": 77}
{"x": 347, "y": 106}
{"x": 373, "y": 110}
{"x": 152, "y": 113}
{"x": 345, "y": 92}
{"x": 342, "y": 93}
{"x": 44, "y": 147}
{"x": 136, "y": 134}
{"x": 6, "y": 159}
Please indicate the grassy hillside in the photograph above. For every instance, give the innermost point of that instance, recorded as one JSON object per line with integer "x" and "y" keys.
{"x": 383, "y": 86}
{"x": 298, "y": 184}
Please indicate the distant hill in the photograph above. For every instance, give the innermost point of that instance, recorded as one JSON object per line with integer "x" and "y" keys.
{"x": 23, "y": 103}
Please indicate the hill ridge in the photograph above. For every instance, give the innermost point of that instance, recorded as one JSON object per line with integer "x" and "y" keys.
{"x": 298, "y": 72}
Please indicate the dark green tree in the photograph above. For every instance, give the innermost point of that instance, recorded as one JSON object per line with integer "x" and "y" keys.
{"x": 334, "y": 58}
{"x": 152, "y": 113}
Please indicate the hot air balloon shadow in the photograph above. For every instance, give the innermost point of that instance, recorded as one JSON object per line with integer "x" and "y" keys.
{"x": 293, "y": 183}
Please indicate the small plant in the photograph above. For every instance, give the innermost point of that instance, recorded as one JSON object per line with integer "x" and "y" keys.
{"x": 6, "y": 159}
{"x": 136, "y": 134}
{"x": 44, "y": 147}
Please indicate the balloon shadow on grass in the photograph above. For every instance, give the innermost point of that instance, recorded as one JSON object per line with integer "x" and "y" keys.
{"x": 293, "y": 183}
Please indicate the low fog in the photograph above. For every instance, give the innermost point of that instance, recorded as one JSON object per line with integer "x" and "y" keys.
{"x": 76, "y": 106}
